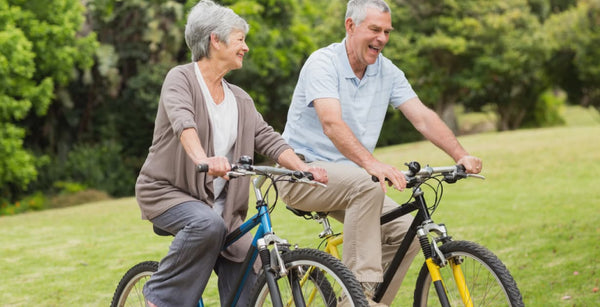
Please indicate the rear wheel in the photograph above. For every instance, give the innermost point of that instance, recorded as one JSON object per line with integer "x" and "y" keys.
{"x": 323, "y": 281}
{"x": 129, "y": 290}
{"x": 487, "y": 279}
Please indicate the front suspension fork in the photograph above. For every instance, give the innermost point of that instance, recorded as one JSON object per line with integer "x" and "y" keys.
{"x": 431, "y": 252}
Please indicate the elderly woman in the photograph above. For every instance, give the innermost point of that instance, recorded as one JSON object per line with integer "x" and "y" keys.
{"x": 203, "y": 119}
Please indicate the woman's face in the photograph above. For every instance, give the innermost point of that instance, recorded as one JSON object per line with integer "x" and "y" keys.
{"x": 233, "y": 53}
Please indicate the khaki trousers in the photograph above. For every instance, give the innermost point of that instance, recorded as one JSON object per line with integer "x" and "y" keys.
{"x": 355, "y": 200}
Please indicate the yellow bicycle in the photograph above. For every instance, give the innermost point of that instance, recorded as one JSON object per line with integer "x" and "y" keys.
{"x": 455, "y": 273}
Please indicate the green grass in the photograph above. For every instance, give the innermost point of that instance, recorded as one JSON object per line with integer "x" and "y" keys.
{"x": 538, "y": 210}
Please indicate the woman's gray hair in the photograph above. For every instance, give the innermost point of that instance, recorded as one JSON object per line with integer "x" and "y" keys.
{"x": 205, "y": 18}
{"x": 357, "y": 9}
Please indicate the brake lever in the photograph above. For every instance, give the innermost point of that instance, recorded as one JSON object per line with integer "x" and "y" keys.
{"x": 310, "y": 182}
{"x": 239, "y": 172}
{"x": 476, "y": 176}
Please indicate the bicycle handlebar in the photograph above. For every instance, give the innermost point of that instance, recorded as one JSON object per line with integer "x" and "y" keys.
{"x": 416, "y": 174}
{"x": 244, "y": 167}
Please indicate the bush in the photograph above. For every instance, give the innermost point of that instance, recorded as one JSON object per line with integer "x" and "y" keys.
{"x": 34, "y": 202}
{"x": 548, "y": 110}
{"x": 76, "y": 198}
{"x": 100, "y": 167}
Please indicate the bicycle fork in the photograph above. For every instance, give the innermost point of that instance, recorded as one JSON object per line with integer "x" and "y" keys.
{"x": 431, "y": 251}
{"x": 275, "y": 268}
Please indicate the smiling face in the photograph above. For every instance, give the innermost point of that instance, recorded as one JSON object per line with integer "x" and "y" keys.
{"x": 365, "y": 42}
{"x": 235, "y": 49}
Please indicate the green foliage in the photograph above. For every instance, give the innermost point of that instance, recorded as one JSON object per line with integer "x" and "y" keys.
{"x": 472, "y": 52}
{"x": 34, "y": 202}
{"x": 280, "y": 40}
{"x": 548, "y": 110}
{"x": 39, "y": 47}
{"x": 92, "y": 74}
{"x": 100, "y": 166}
{"x": 69, "y": 187}
{"x": 575, "y": 66}
{"x": 140, "y": 41}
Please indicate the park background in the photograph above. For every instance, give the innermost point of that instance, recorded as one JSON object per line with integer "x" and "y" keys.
{"x": 79, "y": 86}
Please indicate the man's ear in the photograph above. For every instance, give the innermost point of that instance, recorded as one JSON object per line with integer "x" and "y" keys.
{"x": 349, "y": 24}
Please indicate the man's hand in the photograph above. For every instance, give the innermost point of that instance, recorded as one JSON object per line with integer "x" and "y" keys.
{"x": 319, "y": 174}
{"x": 472, "y": 164}
{"x": 382, "y": 171}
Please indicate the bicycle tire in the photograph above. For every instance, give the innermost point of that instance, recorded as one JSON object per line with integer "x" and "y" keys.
{"x": 328, "y": 278}
{"x": 129, "y": 289}
{"x": 489, "y": 282}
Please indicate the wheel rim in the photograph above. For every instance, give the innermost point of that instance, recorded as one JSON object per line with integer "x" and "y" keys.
{"x": 132, "y": 292}
{"x": 484, "y": 285}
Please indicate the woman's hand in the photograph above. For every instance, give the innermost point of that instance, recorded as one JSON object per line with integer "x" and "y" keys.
{"x": 217, "y": 166}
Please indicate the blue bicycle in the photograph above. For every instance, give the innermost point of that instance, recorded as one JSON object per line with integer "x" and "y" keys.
{"x": 289, "y": 277}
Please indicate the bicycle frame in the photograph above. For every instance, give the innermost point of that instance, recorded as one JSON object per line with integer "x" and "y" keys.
{"x": 263, "y": 237}
{"x": 420, "y": 227}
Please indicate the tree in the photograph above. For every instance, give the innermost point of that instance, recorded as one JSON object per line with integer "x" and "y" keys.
{"x": 39, "y": 48}
{"x": 575, "y": 38}
{"x": 476, "y": 53}
{"x": 280, "y": 40}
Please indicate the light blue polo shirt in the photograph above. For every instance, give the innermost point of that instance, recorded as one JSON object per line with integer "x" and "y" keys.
{"x": 327, "y": 74}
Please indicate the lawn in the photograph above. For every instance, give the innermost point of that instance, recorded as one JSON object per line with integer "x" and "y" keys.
{"x": 538, "y": 210}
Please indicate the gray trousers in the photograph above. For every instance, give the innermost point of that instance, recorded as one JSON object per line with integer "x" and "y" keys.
{"x": 194, "y": 253}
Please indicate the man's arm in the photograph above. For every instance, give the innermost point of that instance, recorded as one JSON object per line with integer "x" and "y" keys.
{"x": 330, "y": 115}
{"x": 290, "y": 160}
{"x": 430, "y": 125}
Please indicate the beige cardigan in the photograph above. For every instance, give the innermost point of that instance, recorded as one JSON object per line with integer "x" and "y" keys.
{"x": 169, "y": 177}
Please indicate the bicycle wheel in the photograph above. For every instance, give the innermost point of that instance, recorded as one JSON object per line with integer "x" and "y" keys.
{"x": 323, "y": 279}
{"x": 129, "y": 290}
{"x": 488, "y": 281}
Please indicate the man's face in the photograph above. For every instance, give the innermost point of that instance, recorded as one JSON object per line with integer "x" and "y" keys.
{"x": 368, "y": 39}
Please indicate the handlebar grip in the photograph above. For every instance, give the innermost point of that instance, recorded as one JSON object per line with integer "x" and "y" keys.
{"x": 202, "y": 168}
{"x": 375, "y": 179}
{"x": 309, "y": 176}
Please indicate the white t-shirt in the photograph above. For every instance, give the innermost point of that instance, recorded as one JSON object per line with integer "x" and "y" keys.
{"x": 224, "y": 120}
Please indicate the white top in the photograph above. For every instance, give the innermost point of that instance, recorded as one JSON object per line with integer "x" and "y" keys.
{"x": 224, "y": 120}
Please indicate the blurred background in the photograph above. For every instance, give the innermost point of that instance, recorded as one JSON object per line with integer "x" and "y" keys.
{"x": 80, "y": 79}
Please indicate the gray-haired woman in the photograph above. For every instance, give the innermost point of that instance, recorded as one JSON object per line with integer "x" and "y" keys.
{"x": 203, "y": 119}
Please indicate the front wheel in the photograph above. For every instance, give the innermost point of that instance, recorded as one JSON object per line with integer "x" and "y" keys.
{"x": 322, "y": 280}
{"x": 488, "y": 281}
{"x": 129, "y": 290}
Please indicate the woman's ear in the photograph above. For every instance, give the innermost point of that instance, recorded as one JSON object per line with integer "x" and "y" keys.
{"x": 214, "y": 41}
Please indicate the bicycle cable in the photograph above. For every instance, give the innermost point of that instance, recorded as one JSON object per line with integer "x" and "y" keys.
{"x": 438, "y": 191}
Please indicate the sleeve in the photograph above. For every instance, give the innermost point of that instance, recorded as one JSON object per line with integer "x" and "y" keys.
{"x": 401, "y": 88}
{"x": 177, "y": 100}
{"x": 320, "y": 77}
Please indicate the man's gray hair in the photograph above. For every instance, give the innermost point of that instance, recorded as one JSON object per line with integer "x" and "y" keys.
{"x": 357, "y": 9}
{"x": 205, "y": 18}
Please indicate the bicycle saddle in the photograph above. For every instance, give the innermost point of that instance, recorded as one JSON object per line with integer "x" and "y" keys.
{"x": 305, "y": 214}
{"x": 160, "y": 231}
